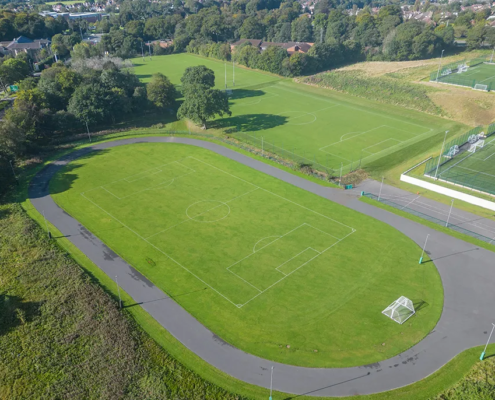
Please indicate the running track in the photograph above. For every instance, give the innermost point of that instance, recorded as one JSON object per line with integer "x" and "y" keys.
{"x": 467, "y": 272}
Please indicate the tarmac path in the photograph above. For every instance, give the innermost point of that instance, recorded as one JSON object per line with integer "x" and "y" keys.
{"x": 467, "y": 273}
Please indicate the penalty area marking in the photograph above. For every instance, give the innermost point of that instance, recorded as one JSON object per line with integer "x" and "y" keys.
{"x": 144, "y": 239}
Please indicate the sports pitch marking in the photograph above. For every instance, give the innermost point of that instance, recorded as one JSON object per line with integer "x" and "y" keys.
{"x": 145, "y": 239}
{"x": 373, "y": 154}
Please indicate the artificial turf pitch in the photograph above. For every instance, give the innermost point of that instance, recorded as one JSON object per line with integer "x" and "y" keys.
{"x": 483, "y": 74}
{"x": 300, "y": 121}
{"x": 270, "y": 268}
{"x": 473, "y": 170}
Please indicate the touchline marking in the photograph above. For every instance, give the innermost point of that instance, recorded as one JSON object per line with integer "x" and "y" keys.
{"x": 142, "y": 172}
{"x": 383, "y": 141}
{"x": 290, "y": 201}
{"x": 161, "y": 251}
{"x": 352, "y": 230}
{"x": 344, "y": 104}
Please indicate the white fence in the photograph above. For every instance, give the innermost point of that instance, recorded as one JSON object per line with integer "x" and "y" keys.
{"x": 449, "y": 192}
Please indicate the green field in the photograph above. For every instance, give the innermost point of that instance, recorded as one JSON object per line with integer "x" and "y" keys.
{"x": 270, "y": 268}
{"x": 321, "y": 126}
{"x": 474, "y": 170}
{"x": 482, "y": 74}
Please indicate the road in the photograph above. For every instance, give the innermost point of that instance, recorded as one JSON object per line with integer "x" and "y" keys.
{"x": 467, "y": 273}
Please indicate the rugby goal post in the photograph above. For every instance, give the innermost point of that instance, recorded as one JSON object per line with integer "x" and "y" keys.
{"x": 479, "y": 86}
{"x": 400, "y": 310}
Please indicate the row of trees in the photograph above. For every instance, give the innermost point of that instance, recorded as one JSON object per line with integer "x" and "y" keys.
{"x": 97, "y": 93}
{"x": 276, "y": 59}
{"x": 31, "y": 25}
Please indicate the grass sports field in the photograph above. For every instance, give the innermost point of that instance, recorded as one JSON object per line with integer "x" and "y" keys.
{"x": 473, "y": 170}
{"x": 322, "y": 126}
{"x": 482, "y": 74}
{"x": 272, "y": 269}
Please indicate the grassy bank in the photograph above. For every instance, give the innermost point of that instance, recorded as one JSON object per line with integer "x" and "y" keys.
{"x": 381, "y": 89}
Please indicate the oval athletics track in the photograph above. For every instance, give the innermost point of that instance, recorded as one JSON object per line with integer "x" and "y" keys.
{"x": 467, "y": 273}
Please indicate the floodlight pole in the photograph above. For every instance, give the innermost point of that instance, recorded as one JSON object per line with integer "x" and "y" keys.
{"x": 380, "y": 193}
{"x": 448, "y": 218}
{"x": 441, "y": 153}
{"x": 46, "y": 225}
{"x": 491, "y": 58}
{"x": 142, "y": 50}
{"x": 423, "y": 252}
{"x": 118, "y": 289}
{"x": 340, "y": 178}
{"x": 440, "y": 64}
{"x": 225, "y": 64}
{"x": 149, "y": 48}
{"x": 271, "y": 382}
{"x": 87, "y": 129}
{"x": 487, "y": 342}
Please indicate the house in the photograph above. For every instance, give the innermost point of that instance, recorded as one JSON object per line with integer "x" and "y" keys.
{"x": 291, "y": 47}
{"x": 163, "y": 43}
{"x": 23, "y": 44}
{"x": 254, "y": 42}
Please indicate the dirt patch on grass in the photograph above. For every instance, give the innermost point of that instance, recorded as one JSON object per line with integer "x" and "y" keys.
{"x": 464, "y": 105}
{"x": 378, "y": 68}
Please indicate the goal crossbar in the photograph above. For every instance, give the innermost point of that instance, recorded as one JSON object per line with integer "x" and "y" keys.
{"x": 400, "y": 310}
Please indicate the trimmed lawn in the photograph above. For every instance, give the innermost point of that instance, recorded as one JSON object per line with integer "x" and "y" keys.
{"x": 304, "y": 123}
{"x": 270, "y": 268}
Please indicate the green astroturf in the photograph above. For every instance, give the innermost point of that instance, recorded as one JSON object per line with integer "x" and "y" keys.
{"x": 270, "y": 268}
{"x": 321, "y": 126}
{"x": 483, "y": 74}
{"x": 474, "y": 170}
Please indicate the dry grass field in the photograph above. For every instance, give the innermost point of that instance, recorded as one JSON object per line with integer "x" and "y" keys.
{"x": 459, "y": 104}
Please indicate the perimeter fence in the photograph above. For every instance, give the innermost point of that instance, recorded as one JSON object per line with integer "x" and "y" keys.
{"x": 429, "y": 218}
{"x": 447, "y": 155}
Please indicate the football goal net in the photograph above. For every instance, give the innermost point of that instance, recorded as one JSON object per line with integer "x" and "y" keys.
{"x": 475, "y": 146}
{"x": 452, "y": 151}
{"x": 479, "y": 86}
{"x": 400, "y": 310}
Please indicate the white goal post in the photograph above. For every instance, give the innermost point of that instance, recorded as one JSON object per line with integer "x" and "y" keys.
{"x": 478, "y": 145}
{"x": 479, "y": 86}
{"x": 400, "y": 310}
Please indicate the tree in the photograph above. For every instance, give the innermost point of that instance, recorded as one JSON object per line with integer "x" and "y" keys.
{"x": 271, "y": 59}
{"x": 201, "y": 101}
{"x": 199, "y": 106}
{"x": 14, "y": 70}
{"x": 88, "y": 103}
{"x": 301, "y": 29}
{"x": 161, "y": 92}
{"x": 252, "y": 29}
{"x": 135, "y": 28}
{"x": 476, "y": 36}
{"x": 197, "y": 78}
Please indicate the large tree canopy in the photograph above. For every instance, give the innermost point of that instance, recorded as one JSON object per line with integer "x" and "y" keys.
{"x": 201, "y": 101}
